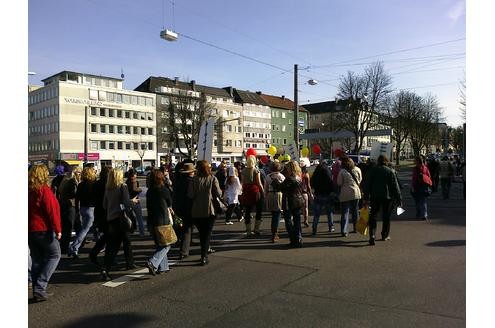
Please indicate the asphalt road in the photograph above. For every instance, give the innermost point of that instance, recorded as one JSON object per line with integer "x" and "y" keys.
{"x": 415, "y": 280}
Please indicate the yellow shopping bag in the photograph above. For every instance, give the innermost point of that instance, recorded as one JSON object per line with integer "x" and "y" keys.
{"x": 362, "y": 223}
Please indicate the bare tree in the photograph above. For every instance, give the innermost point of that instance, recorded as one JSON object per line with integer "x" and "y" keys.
{"x": 462, "y": 98}
{"x": 403, "y": 108}
{"x": 367, "y": 95}
{"x": 183, "y": 118}
{"x": 424, "y": 126}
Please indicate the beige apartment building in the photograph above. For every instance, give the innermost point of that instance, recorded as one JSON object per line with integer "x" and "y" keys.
{"x": 120, "y": 127}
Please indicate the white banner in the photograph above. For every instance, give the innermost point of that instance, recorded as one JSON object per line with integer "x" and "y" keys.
{"x": 205, "y": 142}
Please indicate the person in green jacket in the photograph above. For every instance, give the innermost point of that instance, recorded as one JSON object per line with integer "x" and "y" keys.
{"x": 381, "y": 190}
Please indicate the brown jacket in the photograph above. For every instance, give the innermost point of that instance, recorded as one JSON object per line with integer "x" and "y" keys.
{"x": 201, "y": 192}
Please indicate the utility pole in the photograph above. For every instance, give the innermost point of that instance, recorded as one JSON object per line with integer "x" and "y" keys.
{"x": 296, "y": 112}
{"x": 85, "y": 135}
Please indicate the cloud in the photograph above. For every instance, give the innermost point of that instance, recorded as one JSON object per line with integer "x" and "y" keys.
{"x": 457, "y": 11}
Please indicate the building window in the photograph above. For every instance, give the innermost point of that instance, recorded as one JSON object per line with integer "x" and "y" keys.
{"x": 111, "y": 129}
{"x": 111, "y": 145}
{"x": 103, "y": 145}
{"x": 127, "y": 99}
{"x": 119, "y": 113}
{"x": 93, "y": 94}
{"x": 102, "y": 128}
{"x": 128, "y": 146}
{"x": 149, "y": 101}
{"x": 150, "y": 131}
{"x": 135, "y": 130}
{"x": 118, "y": 98}
{"x": 119, "y": 145}
{"x": 150, "y": 146}
{"x": 143, "y": 131}
{"x": 283, "y": 128}
{"x": 103, "y": 112}
{"x": 135, "y": 144}
{"x": 283, "y": 114}
{"x": 102, "y": 95}
{"x": 93, "y": 111}
{"x": 135, "y": 115}
{"x": 134, "y": 100}
{"x": 127, "y": 114}
{"x": 127, "y": 130}
{"x": 120, "y": 129}
{"x": 93, "y": 127}
{"x": 141, "y": 101}
{"x": 93, "y": 145}
{"x": 285, "y": 141}
{"x": 149, "y": 116}
{"x": 111, "y": 112}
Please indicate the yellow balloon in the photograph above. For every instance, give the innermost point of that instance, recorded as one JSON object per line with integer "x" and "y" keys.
{"x": 285, "y": 158}
{"x": 272, "y": 150}
{"x": 305, "y": 152}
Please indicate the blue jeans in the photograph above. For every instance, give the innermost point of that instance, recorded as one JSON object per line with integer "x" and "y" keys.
{"x": 421, "y": 207}
{"x": 293, "y": 224}
{"x": 320, "y": 202}
{"x": 45, "y": 255}
{"x": 346, "y": 207}
{"x": 88, "y": 216}
{"x": 275, "y": 220}
{"x": 160, "y": 258}
{"x": 139, "y": 217}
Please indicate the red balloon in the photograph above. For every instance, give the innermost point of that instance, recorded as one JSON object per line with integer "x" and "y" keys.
{"x": 264, "y": 159}
{"x": 251, "y": 151}
{"x": 316, "y": 149}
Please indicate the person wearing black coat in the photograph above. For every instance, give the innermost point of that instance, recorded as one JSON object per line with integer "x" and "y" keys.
{"x": 100, "y": 221}
{"x": 159, "y": 206}
{"x": 182, "y": 205}
{"x": 321, "y": 181}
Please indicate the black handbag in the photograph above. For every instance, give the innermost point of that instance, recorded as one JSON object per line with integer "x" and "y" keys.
{"x": 127, "y": 217}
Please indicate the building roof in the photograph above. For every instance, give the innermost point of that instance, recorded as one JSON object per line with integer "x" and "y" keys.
{"x": 84, "y": 74}
{"x": 243, "y": 96}
{"x": 327, "y": 106}
{"x": 279, "y": 102}
{"x": 152, "y": 82}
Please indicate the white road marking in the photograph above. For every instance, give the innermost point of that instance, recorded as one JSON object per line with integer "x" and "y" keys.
{"x": 128, "y": 277}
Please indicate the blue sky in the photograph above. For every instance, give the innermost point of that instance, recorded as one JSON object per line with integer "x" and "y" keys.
{"x": 325, "y": 38}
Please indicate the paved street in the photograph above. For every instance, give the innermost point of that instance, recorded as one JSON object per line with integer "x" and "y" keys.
{"x": 415, "y": 280}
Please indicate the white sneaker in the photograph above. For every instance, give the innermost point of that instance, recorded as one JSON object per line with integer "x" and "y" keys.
{"x": 282, "y": 220}
{"x": 241, "y": 219}
{"x": 229, "y": 222}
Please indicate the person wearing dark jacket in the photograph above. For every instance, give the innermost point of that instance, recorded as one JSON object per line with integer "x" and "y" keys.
{"x": 293, "y": 202}
{"x": 381, "y": 190}
{"x": 100, "y": 215}
{"x": 134, "y": 191}
{"x": 159, "y": 206}
{"x": 321, "y": 181}
{"x": 85, "y": 202}
{"x": 182, "y": 205}
{"x": 44, "y": 230}
{"x": 68, "y": 211}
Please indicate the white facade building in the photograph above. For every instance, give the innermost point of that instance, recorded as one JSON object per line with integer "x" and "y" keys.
{"x": 120, "y": 129}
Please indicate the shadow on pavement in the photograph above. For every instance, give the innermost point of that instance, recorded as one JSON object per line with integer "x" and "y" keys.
{"x": 112, "y": 320}
{"x": 447, "y": 243}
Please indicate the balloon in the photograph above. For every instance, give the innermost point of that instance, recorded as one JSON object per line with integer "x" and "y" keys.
{"x": 285, "y": 158}
{"x": 338, "y": 152}
{"x": 251, "y": 151}
{"x": 305, "y": 152}
{"x": 272, "y": 150}
{"x": 316, "y": 149}
{"x": 264, "y": 159}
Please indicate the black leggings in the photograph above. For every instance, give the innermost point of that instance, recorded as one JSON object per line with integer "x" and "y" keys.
{"x": 114, "y": 238}
{"x": 204, "y": 226}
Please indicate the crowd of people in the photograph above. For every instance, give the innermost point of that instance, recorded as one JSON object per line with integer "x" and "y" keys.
{"x": 191, "y": 192}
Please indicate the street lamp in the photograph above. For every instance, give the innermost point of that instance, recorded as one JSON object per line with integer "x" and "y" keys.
{"x": 296, "y": 109}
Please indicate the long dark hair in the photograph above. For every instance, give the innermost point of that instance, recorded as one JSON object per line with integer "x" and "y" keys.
{"x": 203, "y": 168}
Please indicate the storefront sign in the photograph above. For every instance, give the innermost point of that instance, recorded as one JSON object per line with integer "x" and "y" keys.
{"x": 80, "y": 156}
{"x": 87, "y": 102}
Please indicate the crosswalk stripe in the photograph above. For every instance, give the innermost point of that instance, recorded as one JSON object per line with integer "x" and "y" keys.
{"x": 128, "y": 277}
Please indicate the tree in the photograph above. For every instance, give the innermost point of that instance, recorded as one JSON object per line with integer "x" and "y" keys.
{"x": 402, "y": 109}
{"x": 462, "y": 98}
{"x": 424, "y": 125}
{"x": 141, "y": 149}
{"x": 183, "y": 118}
{"x": 367, "y": 96}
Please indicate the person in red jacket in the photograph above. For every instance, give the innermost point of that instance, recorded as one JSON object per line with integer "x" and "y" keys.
{"x": 44, "y": 230}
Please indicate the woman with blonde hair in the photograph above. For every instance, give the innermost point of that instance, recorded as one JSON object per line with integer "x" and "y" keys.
{"x": 204, "y": 189}
{"x": 115, "y": 201}
{"x": 251, "y": 194}
{"x": 273, "y": 197}
{"x": 85, "y": 202}
{"x": 44, "y": 230}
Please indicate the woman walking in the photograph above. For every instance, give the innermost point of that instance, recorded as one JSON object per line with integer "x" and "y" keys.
{"x": 204, "y": 187}
{"x": 273, "y": 197}
{"x": 323, "y": 186}
{"x": 159, "y": 206}
{"x": 67, "y": 192}
{"x": 44, "y": 231}
{"x": 419, "y": 189}
{"x": 116, "y": 199}
{"x": 251, "y": 194}
{"x": 134, "y": 191}
{"x": 85, "y": 202}
{"x": 233, "y": 189}
{"x": 307, "y": 192}
{"x": 349, "y": 180}
{"x": 293, "y": 204}
{"x": 100, "y": 215}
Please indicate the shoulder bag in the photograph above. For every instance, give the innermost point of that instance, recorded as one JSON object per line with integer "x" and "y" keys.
{"x": 127, "y": 216}
{"x": 165, "y": 234}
